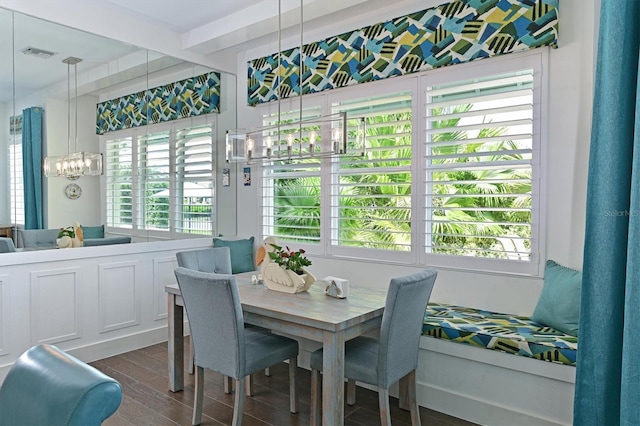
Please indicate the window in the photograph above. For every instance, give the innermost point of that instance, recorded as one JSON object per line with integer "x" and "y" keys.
{"x": 161, "y": 181}
{"x": 16, "y": 179}
{"x": 451, "y": 175}
{"x": 153, "y": 177}
{"x": 479, "y": 168}
{"x": 291, "y": 189}
{"x": 193, "y": 198}
{"x": 119, "y": 182}
{"x": 371, "y": 195}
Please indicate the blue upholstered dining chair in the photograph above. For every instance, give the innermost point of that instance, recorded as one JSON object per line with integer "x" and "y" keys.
{"x": 46, "y": 386}
{"x": 394, "y": 355}
{"x": 221, "y": 341}
{"x": 216, "y": 260}
{"x": 6, "y": 245}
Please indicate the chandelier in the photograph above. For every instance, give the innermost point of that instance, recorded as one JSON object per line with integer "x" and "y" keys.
{"x": 79, "y": 163}
{"x": 291, "y": 139}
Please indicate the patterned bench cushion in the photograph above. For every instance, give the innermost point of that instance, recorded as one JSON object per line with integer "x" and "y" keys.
{"x": 516, "y": 335}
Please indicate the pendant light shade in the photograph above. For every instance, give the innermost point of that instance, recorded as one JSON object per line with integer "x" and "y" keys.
{"x": 76, "y": 164}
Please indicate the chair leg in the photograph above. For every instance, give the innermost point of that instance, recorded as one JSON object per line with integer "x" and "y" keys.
{"x": 413, "y": 401}
{"x": 249, "y": 384}
{"x": 239, "y": 401}
{"x": 228, "y": 387}
{"x": 315, "y": 398}
{"x": 199, "y": 391}
{"x": 383, "y": 400}
{"x": 351, "y": 392}
{"x": 192, "y": 356}
{"x": 293, "y": 395}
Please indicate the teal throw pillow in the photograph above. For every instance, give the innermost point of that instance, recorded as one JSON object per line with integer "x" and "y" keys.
{"x": 241, "y": 253}
{"x": 93, "y": 231}
{"x": 559, "y": 304}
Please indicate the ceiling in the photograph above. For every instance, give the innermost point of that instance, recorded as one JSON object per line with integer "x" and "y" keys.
{"x": 190, "y": 29}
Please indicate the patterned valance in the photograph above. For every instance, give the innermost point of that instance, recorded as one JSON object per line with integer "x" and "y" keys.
{"x": 455, "y": 32}
{"x": 185, "y": 98}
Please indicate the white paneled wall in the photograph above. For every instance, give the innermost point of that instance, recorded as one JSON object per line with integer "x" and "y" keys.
{"x": 55, "y": 309}
{"x": 93, "y": 302}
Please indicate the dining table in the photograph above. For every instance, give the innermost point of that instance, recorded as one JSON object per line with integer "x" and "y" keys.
{"x": 310, "y": 315}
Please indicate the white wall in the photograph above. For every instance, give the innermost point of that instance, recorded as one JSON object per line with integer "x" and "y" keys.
{"x": 567, "y": 143}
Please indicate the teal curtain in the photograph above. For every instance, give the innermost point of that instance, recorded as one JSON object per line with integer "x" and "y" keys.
{"x": 32, "y": 167}
{"x": 608, "y": 371}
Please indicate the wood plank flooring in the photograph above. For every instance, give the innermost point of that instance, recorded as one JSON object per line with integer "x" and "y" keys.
{"x": 147, "y": 401}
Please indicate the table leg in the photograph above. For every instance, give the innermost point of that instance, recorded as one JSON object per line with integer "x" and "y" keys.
{"x": 333, "y": 379}
{"x": 176, "y": 344}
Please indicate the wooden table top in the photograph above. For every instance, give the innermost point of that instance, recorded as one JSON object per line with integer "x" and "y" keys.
{"x": 310, "y": 308}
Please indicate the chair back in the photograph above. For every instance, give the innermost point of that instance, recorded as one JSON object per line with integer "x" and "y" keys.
{"x": 401, "y": 327}
{"x": 34, "y": 238}
{"x": 215, "y": 260}
{"x": 6, "y": 245}
{"x": 48, "y": 386}
{"x": 215, "y": 320}
{"x": 105, "y": 241}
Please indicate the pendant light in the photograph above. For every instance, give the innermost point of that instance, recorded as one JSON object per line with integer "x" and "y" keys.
{"x": 79, "y": 163}
{"x": 323, "y": 136}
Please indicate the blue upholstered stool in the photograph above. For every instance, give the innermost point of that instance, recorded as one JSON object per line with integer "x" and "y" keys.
{"x": 46, "y": 386}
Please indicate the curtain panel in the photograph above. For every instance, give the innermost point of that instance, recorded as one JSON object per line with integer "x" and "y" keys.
{"x": 32, "y": 167}
{"x": 608, "y": 370}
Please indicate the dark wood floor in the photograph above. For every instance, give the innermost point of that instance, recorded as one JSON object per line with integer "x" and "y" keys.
{"x": 147, "y": 400}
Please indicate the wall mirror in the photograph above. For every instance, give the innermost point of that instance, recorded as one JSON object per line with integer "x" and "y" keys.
{"x": 33, "y": 74}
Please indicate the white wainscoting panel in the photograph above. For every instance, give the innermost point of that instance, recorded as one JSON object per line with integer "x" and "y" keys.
{"x": 4, "y": 315}
{"x": 162, "y": 275}
{"x": 119, "y": 295}
{"x": 55, "y": 305}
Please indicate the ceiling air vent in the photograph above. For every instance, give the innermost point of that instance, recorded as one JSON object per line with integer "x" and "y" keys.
{"x": 38, "y": 53}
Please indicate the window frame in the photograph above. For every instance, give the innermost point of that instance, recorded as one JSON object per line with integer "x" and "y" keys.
{"x": 537, "y": 61}
{"x": 417, "y": 83}
{"x": 138, "y": 229}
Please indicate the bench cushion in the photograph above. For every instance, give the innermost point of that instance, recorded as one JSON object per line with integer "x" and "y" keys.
{"x": 517, "y": 335}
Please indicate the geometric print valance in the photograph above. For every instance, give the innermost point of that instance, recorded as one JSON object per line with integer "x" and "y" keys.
{"x": 455, "y": 32}
{"x": 185, "y": 98}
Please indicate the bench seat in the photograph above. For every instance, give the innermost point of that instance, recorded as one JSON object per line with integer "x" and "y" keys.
{"x": 517, "y": 335}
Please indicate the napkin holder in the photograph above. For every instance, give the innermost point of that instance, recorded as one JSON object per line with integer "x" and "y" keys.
{"x": 336, "y": 287}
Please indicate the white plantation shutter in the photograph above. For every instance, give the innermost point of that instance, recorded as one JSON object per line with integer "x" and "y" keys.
{"x": 291, "y": 188}
{"x": 119, "y": 182}
{"x": 173, "y": 186}
{"x": 452, "y": 175}
{"x": 16, "y": 180}
{"x": 193, "y": 198}
{"x": 371, "y": 196}
{"x": 154, "y": 181}
{"x": 479, "y": 169}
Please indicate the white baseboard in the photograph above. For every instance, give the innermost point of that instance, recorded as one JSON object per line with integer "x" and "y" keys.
{"x": 112, "y": 347}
